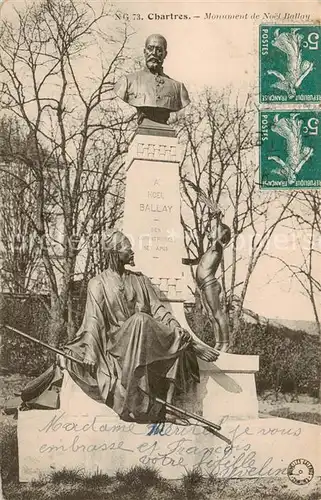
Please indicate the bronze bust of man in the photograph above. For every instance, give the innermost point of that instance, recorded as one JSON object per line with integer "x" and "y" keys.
{"x": 154, "y": 94}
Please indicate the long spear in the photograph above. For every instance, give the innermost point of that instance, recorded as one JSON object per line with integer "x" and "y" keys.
{"x": 210, "y": 426}
{"x": 186, "y": 415}
{"x": 47, "y": 346}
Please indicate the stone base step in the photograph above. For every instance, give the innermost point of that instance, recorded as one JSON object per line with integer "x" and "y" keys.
{"x": 53, "y": 440}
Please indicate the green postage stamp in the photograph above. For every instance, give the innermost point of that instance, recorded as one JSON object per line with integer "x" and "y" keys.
{"x": 290, "y": 149}
{"x": 290, "y": 63}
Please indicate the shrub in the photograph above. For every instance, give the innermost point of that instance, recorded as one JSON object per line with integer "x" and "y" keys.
{"x": 9, "y": 452}
{"x": 139, "y": 476}
{"x": 29, "y": 314}
{"x": 289, "y": 360}
{"x": 192, "y": 482}
{"x": 192, "y": 478}
{"x": 67, "y": 476}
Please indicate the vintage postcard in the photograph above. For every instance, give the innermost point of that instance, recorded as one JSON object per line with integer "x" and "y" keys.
{"x": 160, "y": 243}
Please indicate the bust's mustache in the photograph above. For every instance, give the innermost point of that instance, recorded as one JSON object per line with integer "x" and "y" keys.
{"x": 154, "y": 59}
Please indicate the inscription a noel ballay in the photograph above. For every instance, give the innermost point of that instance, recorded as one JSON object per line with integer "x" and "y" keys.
{"x": 146, "y": 207}
{"x": 152, "y": 217}
{"x": 159, "y": 235}
{"x": 155, "y": 207}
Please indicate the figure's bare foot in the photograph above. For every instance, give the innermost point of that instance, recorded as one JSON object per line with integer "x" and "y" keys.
{"x": 205, "y": 352}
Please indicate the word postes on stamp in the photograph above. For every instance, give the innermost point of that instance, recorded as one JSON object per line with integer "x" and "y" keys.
{"x": 290, "y": 63}
{"x": 290, "y": 149}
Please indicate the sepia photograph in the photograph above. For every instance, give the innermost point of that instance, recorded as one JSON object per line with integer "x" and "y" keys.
{"x": 160, "y": 250}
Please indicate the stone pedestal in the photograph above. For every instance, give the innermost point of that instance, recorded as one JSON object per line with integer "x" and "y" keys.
{"x": 227, "y": 387}
{"x": 152, "y": 209}
{"x": 152, "y": 222}
{"x": 52, "y": 440}
{"x": 74, "y": 401}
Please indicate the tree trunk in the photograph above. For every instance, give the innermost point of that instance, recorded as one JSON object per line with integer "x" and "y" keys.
{"x": 67, "y": 295}
{"x": 57, "y": 327}
{"x": 320, "y": 375}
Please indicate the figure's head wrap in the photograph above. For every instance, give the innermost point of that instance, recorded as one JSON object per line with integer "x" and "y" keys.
{"x": 114, "y": 241}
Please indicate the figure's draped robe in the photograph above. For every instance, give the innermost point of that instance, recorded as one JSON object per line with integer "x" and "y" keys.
{"x": 131, "y": 336}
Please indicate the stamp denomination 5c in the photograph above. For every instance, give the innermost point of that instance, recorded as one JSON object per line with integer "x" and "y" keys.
{"x": 290, "y": 149}
{"x": 290, "y": 63}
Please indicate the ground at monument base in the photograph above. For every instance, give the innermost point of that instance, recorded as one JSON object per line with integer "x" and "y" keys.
{"x": 145, "y": 485}
{"x": 68, "y": 485}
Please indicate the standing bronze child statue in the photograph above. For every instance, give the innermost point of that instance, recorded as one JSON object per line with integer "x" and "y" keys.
{"x": 207, "y": 266}
{"x": 209, "y": 286}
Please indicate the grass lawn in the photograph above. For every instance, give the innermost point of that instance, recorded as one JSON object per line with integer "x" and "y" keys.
{"x": 144, "y": 483}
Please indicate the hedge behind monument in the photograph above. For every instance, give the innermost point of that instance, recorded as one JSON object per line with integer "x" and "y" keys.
{"x": 29, "y": 314}
{"x": 289, "y": 360}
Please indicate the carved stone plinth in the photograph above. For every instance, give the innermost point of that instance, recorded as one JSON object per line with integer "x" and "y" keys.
{"x": 53, "y": 440}
{"x": 227, "y": 387}
{"x": 152, "y": 209}
{"x": 74, "y": 401}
